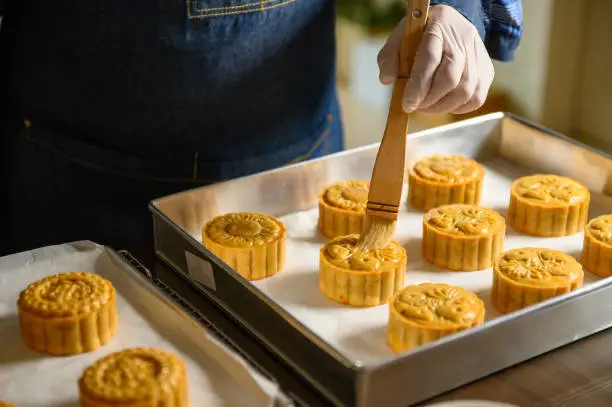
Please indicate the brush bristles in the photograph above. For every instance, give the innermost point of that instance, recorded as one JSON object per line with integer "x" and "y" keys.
{"x": 377, "y": 233}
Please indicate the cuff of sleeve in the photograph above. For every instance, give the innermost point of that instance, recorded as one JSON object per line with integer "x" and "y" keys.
{"x": 470, "y": 9}
{"x": 501, "y": 48}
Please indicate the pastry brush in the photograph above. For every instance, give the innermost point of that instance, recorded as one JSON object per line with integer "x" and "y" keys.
{"x": 389, "y": 169}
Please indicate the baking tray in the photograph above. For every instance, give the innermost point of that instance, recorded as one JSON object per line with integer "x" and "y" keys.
{"x": 152, "y": 316}
{"x": 509, "y": 147}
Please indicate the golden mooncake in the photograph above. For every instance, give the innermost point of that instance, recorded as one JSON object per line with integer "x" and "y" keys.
{"x": 462, "y": 237}
{"x": 423, "y": 313}
{"x": 527, "y": 276}
{"x": 548, "y": 205}
{"x": 342, "y": 208}
{"x": 253, "y": 244}
{"x": 444, "y": 179}
{"x": 68, "y": 313}
{"x": 135, "y": 377}
{"x": 6, "y": 404}
{"x": 360, "y": 278}
{"x": 597, "y": 247}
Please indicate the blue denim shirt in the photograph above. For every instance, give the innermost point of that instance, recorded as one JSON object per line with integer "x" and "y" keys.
{"x": 499, "y": 23}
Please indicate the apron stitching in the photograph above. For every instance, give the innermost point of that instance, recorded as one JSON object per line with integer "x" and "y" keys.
{"x": 247, "y": 5}
{"x": 205, "y": 14}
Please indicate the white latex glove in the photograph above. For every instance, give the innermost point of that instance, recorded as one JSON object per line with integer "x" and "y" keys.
{"x": 452, "y": 71}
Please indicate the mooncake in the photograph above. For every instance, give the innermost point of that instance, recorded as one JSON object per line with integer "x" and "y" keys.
{"x": 342, "y": 208}
{"x": 444, "y": 179}
{"x": 253, "y": 244}
{"x": 548, "y": 205}
{"x": 527, "y": 276}
{"x": 462, "y": 237}
{"x": 360, "y": 277}
{"x": 419, "y": 314}
{"x": 68, "y": 313}
{"x": 135, "y": 377}
{"x": 6, "y": 404}
{"x": 597, "y": 246}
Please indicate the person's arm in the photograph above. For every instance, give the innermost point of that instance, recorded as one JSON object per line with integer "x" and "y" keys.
{"x": 499, "y": 23}
{"x": 452, "y": 70}
{"x": 505, "y": 28}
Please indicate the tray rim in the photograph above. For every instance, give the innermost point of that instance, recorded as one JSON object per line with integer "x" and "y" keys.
{"x": 418, "y": 134}
{"x": 357, "y": 366}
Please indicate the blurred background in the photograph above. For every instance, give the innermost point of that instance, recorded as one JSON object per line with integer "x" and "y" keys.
{"x": 560, "y": 77}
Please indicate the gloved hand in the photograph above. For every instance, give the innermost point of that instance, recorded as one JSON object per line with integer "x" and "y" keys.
{"x": 452, "y": 71}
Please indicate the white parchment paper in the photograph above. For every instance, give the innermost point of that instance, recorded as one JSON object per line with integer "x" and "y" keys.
{"x": 216, "y": 376}
{"x": 360, "y": 333}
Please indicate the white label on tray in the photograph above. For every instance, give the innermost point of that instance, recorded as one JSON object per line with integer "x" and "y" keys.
{"x": 200, "y": 271}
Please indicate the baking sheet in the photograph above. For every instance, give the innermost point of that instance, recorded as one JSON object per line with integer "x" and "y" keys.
{"x": 360, "y": 333}
{"x": 216, "y": 377}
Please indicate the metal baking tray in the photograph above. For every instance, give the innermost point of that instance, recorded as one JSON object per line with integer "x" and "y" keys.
{"x": 431, "y": 369}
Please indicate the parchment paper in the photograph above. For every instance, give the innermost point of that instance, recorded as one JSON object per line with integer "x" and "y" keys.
{"x": 216, "y": 377}
{"x": 360, "y": 333}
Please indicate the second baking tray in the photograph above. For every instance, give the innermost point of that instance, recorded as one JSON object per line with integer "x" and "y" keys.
{"x": 309, "y": 334}
{"x": 147, "y": 317}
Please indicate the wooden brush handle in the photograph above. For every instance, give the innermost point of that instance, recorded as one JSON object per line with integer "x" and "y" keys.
{"x": 416, "y": 19}
{"x": 388, "y": 175}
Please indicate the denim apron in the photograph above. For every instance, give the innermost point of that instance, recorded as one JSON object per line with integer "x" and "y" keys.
{"x": 116, "y": 103}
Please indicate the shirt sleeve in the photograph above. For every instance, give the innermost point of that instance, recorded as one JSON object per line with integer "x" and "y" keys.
{"x": 499, "y": 23}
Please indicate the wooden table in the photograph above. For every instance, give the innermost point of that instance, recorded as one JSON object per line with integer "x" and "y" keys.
{"x": 576, "y": 375}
